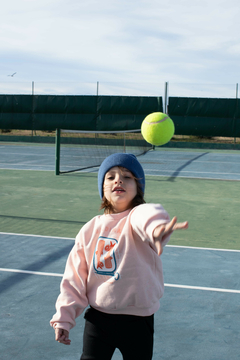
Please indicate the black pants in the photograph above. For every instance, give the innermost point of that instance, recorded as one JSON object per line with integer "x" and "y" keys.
{"x": 103, "y": 333}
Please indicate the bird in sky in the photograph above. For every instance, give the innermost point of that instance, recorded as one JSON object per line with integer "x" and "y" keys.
{"x": 12, "y": 74}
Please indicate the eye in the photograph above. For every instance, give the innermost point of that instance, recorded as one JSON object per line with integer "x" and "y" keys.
{"x": 127, "y": 175}
{"x": 110, "y": 176}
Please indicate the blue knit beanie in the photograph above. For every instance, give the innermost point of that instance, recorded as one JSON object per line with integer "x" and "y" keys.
{"x": 128, "y": 161}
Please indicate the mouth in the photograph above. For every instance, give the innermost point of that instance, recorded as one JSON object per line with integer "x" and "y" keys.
{"x": 118, "y": 190}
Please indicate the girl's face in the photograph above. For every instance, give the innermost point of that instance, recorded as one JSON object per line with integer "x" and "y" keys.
{"x": 119, "y": 188}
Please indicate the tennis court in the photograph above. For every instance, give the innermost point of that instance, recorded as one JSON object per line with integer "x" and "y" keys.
{"x": 41, "y": 214}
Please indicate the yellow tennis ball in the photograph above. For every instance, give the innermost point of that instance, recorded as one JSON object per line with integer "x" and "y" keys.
{"x": 157, "y": 128}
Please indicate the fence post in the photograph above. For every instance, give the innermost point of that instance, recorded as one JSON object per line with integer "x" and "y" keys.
{"x": 236, "y": 110}
{"x": 97, "y": 87}
{"x": 166, "y": 98}
{"x": 33, "y": 122}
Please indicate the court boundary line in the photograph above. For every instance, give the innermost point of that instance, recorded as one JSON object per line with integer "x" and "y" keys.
{"x": 203, "y": 288}
{"x": 41, "y": 236}
{"x": 191, "y": 171}
{"x": 188, "y": 287}
{"x": 73, "y": 239}
{"x": 28, "y": 272}
{"x": 27, "y": 169}
{"x": 167, "y": 176}
{"x": 202, "y": 248}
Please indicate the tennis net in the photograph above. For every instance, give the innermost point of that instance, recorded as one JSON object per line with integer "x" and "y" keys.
{"x": 80, "y": 150}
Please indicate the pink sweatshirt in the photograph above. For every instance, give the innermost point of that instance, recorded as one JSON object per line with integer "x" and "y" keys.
{"x": 113, "y": 266}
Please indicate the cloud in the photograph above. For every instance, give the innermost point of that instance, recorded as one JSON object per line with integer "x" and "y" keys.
{"x": 144, "y": 41}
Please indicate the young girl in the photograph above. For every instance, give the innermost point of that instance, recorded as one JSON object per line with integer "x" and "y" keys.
{"x": 115, "y": 267}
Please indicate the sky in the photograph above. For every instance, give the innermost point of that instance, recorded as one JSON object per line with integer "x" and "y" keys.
{"x": 120, "y": 47}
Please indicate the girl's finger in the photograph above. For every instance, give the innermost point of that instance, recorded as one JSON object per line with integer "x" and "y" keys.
{"x": 170, "y": 226}
{"x": 183, "y": 225}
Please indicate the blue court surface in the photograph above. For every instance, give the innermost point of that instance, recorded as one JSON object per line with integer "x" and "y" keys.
{"x": 202, "y": 164}
{"x": 199, "y": 317}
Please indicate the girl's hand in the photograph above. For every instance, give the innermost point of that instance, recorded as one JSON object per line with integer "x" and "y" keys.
{"x": 161, "y": 232}
{"x": 62, "y": 336}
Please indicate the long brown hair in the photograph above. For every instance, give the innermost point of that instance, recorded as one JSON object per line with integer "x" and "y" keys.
{"x": 137, "y": 200}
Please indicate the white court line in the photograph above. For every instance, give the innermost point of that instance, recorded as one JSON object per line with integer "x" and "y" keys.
{"x": 31, "y": 169}
{"x": 194, "y": 177}
{"x": 26, "y": 164}
{"x": 41, "y": 236}
{"x": 201, "y": 248}
{"x": 27, "y": 154}
{"x": 30, "y": 272}
{"x": 203, "y": 288}
{"x": 184, "y": 161}
{"x": 191, "y": 171}
{"x": 73, "y": 239}
{"x": 166, "y": 285}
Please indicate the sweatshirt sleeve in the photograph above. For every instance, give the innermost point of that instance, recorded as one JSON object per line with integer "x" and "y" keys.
{"x": 72, "y": 299}
{"x": 145, "y": 218}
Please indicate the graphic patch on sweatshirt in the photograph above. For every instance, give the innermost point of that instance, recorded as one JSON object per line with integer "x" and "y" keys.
{"x": 104, "y": 260}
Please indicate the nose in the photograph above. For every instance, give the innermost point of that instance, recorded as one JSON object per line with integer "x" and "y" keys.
{"x": 118, "y": 179}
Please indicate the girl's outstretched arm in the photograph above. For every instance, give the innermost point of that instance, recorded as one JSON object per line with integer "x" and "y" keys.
{"x": 62, "y": 336}
{"x": 161, "y": 232}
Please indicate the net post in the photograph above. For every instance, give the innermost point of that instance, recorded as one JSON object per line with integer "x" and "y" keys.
{"x": 57, "y": 152}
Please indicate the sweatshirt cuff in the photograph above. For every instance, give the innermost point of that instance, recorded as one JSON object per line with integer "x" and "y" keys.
{"x": 61, "y": 325}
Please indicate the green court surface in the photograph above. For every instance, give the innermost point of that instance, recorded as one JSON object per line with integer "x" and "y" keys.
{"x": 38, "y": 202}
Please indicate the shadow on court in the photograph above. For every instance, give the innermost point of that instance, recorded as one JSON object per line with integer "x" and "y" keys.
{"x": 180, "y": 168}
{"x": 79, "y": 223}
{"x": 36, "y": 266}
